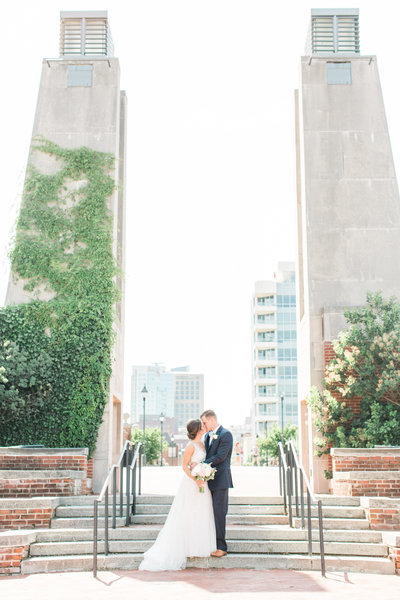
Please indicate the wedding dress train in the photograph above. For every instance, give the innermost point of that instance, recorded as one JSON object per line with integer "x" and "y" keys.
{"x": 189, "y": 529}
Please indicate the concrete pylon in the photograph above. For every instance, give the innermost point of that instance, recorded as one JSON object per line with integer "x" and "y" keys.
{"x": 348, "y": 208}
{"x": 80, "y": 103}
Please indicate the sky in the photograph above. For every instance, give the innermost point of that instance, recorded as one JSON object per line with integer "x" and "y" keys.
{"x": 210, "y": 188}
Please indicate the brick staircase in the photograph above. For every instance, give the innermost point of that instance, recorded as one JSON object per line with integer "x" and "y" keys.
{"x": 258, "y": 536}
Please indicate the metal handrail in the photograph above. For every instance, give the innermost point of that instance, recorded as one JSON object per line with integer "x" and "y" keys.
{"x": 292, "y": 478}
{"x": 130, "y": 459}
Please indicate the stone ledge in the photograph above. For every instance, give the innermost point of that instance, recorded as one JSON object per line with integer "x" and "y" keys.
{"x": 37, "y": 502}
{"x": 366, "y": 475}
{"x": 7, "y": 475}
{"x": 365, "y": 452}
{"x": 17, "y": 450}
{"x": 9, "y": 538}
{"x": 378, "y": 502}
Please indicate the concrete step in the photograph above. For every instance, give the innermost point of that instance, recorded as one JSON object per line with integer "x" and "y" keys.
{"x": 70, "y": 523}
{"x": 336, "y": 523}
{"x": 46, "y": 564}
{"x": 234, "y": 547}
{"x": 341, "y": 512}
{"x": 329, "y": 499}
{"x": 157, "y": 509}
{"x": 238, "y": 519}
{"x": 262, "y": 532}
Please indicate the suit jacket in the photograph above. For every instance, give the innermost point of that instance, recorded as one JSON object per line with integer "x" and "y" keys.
{"x": 218, "y": 455}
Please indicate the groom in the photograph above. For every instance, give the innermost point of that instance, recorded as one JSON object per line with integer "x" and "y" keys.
{"x": 218, "y": 443}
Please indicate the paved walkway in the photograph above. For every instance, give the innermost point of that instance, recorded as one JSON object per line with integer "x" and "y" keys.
{"x": 196, "y": 584}
{"x": 247, "y": 481}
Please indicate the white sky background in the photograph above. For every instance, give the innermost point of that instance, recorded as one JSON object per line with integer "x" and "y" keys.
{"x": 211, "y": 162}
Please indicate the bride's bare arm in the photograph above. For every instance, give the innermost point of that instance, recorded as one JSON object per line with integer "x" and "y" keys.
{"x": 187, "y": 455}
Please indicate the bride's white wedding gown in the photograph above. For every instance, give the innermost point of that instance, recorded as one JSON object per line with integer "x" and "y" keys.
{"x": 189, "y": 529}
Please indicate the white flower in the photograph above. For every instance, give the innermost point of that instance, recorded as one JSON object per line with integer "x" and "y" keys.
{"x": 214, "y": 437}
{"x": 202, "y": 470}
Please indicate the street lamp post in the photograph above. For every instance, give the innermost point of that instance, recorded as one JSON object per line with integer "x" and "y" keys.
{"x": 173, "y": 449}
{"x": 161, "y": 426}
{"x": 282, "y": 438}
{"x": 144, "y": 393}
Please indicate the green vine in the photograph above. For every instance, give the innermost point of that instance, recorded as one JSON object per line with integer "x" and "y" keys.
{"x": 64, "y": 248}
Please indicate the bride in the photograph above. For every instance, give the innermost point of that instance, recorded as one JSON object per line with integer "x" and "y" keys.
{"x": 190, "y": 528}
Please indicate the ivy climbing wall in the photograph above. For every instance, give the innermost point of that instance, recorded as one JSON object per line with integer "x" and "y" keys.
{"x": 55, "y": 354}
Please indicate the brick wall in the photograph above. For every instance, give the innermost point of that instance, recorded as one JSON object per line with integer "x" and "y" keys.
{"x": 26, "y": 513}
{"x": 394, "y": 553}
{"x": 366, "y": 472}
{"x": 16, "y": 462}
{"x": 367, "y": 463}
{"x": 30, "y": 472}
{"x": 25, "y": 518}
{"x": 10, "y": 558}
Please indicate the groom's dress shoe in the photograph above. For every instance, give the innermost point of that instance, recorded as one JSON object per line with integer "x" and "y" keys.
{"x": 218, "y": 553}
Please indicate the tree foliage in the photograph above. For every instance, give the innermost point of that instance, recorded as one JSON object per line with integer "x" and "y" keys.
{"x": 366, "y": 365}
{"x": 153, "y": 443}
{"x": 269, "y": 443}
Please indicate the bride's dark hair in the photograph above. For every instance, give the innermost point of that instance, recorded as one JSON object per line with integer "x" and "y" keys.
{"x": 193, "y": 427}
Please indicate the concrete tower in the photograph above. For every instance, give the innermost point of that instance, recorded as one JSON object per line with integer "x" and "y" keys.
{"x": 348, "y": 210}
{"x": 80, "y": 104}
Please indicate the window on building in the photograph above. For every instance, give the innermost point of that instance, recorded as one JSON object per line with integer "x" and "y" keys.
{"x": 80, "y": 75}
{"x": 265, "y": 336}
{"x": 267, "y": 390}
{"x": 266, "y": 409}
{"x": 338, "y": 73}
{"x": 265, "y": 300}
{"x": 268, "y": 354}
{"x": 269, "y": 318}
{"x": 287, "y": 335}
{"x": 266, "y": 372}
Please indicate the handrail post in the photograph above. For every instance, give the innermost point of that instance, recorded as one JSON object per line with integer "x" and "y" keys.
{"x": 95, "y": 539}
{"x": 128, "y": 491}
{"x": 121, "y": 487}
{"x": 321, "y": 539}
{"x": 106, "y": 521}
{"x": 309, "y": 523}
{"x": 114, "y": 517}
{"x": 289, "y": 493}
{"x": 134, "y": 489}
{"x": 140, "y": 471}
{"x": 280, "y": 472}
{"x": 302, "y": 499}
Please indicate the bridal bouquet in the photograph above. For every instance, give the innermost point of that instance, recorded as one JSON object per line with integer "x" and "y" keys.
{"x": 204, "y": 472}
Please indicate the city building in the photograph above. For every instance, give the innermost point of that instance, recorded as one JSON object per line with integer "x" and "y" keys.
{"x": 80, "y": 103}
{"x": 189, "y": 396}
{"x": 160, "y": 392}
{"x": 348, "y": 216}
{"x": 274, "y": 351}
{"x": 176, "y": 393}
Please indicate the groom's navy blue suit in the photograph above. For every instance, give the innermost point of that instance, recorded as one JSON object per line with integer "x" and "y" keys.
{"x": 218, "y": 455}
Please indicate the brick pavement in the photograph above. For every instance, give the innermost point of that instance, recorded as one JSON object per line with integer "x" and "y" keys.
{"x": 198, "y": 584}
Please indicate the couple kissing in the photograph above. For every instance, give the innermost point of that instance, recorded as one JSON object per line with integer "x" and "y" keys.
{"x": 196, "y": 523}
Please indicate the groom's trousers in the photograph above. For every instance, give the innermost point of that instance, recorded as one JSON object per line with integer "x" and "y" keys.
{"x": 220, "y": 506}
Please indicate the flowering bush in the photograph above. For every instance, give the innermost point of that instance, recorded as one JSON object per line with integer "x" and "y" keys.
{"x": 366, "y": 365}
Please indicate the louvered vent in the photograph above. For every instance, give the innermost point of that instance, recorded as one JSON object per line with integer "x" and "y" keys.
{"x": 85, "y": 34}
{"x": 334, "y": 31}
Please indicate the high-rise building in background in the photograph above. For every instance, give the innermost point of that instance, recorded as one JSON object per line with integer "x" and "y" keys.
{"x": 176, "y": 393}
{"x": 80, "y": 103}
{"x": 160, "y": 397}
{"x": 189, "y": 396}
{"x": 274, "y": 351}
{"x": 348, "y": 213}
